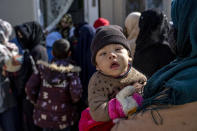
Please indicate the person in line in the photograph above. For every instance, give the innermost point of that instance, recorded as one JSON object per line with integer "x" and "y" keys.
{"x": 82, "y": 55}
{"x": 113, "y": 89}
{"x": 132, "y": 30}
{"x": 152, "y": 51}
{"x": 54, "y": 90}
{"x": 31, "y": 37}
{"x": 64, "y": 29}
{"x": 9, "y": 62}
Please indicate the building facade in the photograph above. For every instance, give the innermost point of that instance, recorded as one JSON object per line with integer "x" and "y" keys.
{"x": 48, "y": 12}
{"x": 117, "y": 10}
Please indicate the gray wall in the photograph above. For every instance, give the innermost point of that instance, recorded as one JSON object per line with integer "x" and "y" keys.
{"x": 17, "y": 11}
{"x": 167, "y": 8}
{"x": 113, "y": 10}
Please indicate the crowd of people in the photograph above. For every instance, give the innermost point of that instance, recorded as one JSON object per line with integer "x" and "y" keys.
{"x": 101, "y": 77}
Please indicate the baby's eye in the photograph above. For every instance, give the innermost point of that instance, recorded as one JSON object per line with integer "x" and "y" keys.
{"x": 103, "y": 54}
{"x": 118, "y": 49}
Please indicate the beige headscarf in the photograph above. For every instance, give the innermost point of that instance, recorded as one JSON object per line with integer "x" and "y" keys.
{"x": 131, "y": 25}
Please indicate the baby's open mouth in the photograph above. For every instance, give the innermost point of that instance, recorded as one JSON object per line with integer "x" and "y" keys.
{"x": 114, "y": 65}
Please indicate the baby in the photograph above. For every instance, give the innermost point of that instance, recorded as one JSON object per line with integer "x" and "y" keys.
{"x": 110, "y": 92}
{"x": 113, "y": 89}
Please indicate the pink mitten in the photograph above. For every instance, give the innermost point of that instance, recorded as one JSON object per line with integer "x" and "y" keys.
{"x": 129, "y": 100}
{"x": 125, "y": 103}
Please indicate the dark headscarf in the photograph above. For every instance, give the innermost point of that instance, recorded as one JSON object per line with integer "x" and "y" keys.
{"x": 152, "y": 51}
{"x": 176, "y": 82}
{"x": 150, "y": 21}
{"x": 32, "y": 35}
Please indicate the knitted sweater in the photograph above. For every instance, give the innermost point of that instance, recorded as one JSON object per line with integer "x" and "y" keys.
{"x": 102, "y": 89}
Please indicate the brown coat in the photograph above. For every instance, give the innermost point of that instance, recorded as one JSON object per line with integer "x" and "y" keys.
{"x": 177, "y": 118}
{"x": 102, "y": 89}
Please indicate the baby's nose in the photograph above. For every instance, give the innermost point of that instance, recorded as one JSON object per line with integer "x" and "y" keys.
{"x": 112, "y": 56}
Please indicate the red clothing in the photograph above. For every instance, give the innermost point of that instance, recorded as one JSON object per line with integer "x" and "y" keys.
{"x": 88, "y": 124}
{"x": 101, "y": 22}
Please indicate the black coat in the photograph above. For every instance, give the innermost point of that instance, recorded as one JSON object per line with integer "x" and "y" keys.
{"x": 152, "y": 51}
{"x": 148, "y": 59}
{"x": 85, "y": 34}
{"x": 33, "y": 42}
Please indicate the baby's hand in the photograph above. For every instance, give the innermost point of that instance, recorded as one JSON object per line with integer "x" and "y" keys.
{"x": 129, "y": 99}
{"x": 126, "y": 91}
{"x": 138, "y": 87}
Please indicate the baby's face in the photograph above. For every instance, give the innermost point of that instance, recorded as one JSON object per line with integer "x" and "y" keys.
{"x": 112, "y": 60}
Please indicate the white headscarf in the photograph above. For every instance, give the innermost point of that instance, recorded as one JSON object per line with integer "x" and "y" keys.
{"x": 7, "y": 50}
{"x": 5, "y": 31}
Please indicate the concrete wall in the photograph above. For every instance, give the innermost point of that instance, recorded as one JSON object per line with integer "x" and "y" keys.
{"x": 167, "y": 8}
{"x": 90, "y": 11}
{"x": 106, "y": 9}
{"x": 113, "y": 10}
{"x": 17, "y": 11}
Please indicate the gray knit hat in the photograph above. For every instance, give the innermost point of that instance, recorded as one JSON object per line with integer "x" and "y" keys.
{"x": 106, "y": 35}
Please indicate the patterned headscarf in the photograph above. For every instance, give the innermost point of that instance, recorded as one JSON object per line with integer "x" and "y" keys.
{"x": 67, "y": 18}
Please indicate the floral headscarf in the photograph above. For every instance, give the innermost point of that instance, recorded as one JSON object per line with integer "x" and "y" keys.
{"x": 67, "y": 18}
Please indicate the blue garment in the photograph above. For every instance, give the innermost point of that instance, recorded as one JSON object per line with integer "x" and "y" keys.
{"x": 9, "y": 121}
{"x": 50, "y": 39}
{"x": 176, "y": 82}
{"x": 184, "y": 17}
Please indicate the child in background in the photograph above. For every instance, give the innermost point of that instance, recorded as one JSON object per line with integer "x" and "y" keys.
{"x": 54, "y": 90}
{"x": 113, "y": 89}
